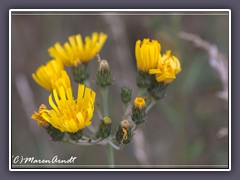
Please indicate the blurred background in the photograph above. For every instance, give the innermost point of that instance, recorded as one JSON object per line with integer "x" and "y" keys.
{"x": 188, "y": 127}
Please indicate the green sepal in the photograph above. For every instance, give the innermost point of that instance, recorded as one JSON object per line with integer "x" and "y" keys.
{"x": 104, "y": 77}
{"x": 138, "y": 115}
{"x": 80, "y": 73}
{"x": 56, "y": 135}
{"x": 157, "y": 89}
{"x": 104, "y": 130}
{"x": 143, "y": 79}
{"x": 76, "y": 136}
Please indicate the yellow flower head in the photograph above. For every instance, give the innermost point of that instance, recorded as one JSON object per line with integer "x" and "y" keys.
{"x": 52, "y": 75}
{"x": 68, "y": 114}
{"x": 76, "y": 51}
{"x": 167, "y": 69}
{"x": 147, "y": 54}
{"x": 139, "y": 103}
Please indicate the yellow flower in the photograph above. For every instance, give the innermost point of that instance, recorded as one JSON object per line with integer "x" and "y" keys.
{"x": 76, "y": 51}
{"x": 139, "y": 103}
{"x": 68, "y": 114}
{"x": 147, "y": 54}
{"x": 167, "y": 69}
{"x": 52, "y": 75}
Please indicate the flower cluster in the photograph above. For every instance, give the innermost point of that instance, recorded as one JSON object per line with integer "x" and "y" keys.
{"x": 155, "y": 71}
{"x": 69, "y": 115}
{"x": 150, "y": 61}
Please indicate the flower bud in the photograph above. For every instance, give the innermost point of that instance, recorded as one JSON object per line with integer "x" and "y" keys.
{"x": 80, "y": 73}
{"x": 104, "y": 129}
{"x": 139, "y": 111}
{"x": 126, "y": 95}
{"x": 104, "y": 76}
{"x": 77, "y": 135}
{"x": 124, "y": 133}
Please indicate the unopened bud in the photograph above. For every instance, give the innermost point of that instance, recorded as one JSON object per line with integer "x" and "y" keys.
{"x": 139, "y": 111}
{"x": 124, "y": 133}
{"x": 126, "y": 95}
{"x": 103, "y": 64}
{"x": 125, "y": 124}
{"x": 104, "y": 129}
{"x": 104, "y": 76}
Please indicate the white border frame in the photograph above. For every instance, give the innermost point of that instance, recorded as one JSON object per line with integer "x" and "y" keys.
{"x": 121, "y": 10}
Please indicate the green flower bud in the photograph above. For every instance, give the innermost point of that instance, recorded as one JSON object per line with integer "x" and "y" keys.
{"x": 80, "y": 73}
{"x": 124, "y": 134}
{"x": 104, "y": 129}
{"x": 139, "y": 111}
{"x": 104, "y": 76}
{"x": 56, "y": 135}
{"x": 126, "y": 95}
{"x": 143, "y": 79}
{"x": 77, "y": 135}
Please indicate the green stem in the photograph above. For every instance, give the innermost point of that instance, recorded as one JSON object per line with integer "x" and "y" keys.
{"x": 105, "y": 101}
{"x": 125, "y": 109}
{"x": 110, "y": 154}
{"x": 153, "y": 102}
{"x": 141, "y": 91}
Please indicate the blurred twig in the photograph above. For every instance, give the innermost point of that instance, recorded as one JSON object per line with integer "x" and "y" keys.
{"x": 222, "y": 132}
{"x": 216, "y": 59}
{"x": 218, "y": 62}
{"x": 26, "y": 95}
{"x": 122, "y": 50}
{"x": 140, "y": 148}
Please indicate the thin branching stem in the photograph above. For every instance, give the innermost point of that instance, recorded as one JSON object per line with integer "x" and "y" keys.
{"x": 153, "y": 102}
